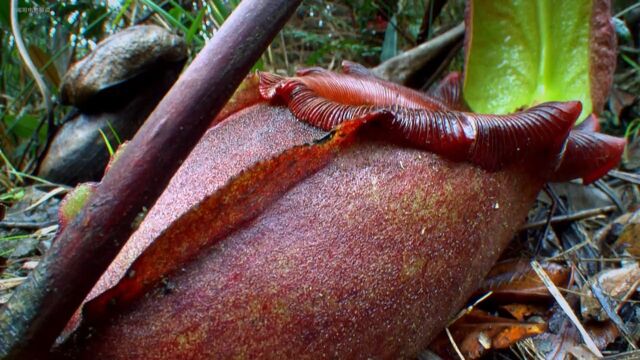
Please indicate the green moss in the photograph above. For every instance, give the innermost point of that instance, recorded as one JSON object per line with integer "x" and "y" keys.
{"x": 76, "y": 200}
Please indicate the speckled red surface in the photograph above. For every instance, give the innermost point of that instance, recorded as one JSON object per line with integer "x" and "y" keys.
{"x": 603, "y": 54}
{"x": 216, "y": 217}
{"x": 369, "y": 257}
{"x": 219, "y": 156}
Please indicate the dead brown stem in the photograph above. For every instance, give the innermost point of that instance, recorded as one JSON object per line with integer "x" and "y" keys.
{"x": 400, "y": 68}
{"x": 579, "y": 215}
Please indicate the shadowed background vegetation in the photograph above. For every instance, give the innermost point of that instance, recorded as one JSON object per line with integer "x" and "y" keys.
{"x": 320, "y": 34}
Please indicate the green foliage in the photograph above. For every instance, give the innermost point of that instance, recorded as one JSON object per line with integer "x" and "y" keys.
{"x": 23, "y": 125}
{"x": 59, "y": 33}
{"x": 325, "y": 33}
{"x": 320, "y": 33}
{"x": 55, "y": 33}
{"x": 12, "y": 195}
{"x": 106, "y": 141}
{"x": 390, "y": 44}
{"x": 526, "y": 52}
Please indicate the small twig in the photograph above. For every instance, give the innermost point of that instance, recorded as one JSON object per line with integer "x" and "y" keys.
{"x": 554, "y": 196}
{"x": 469, "y": 308}
{"x": 26, "y": 225}
{"x": 605, "y": 188}
{"x": 453, "y": 343}
{"x": 574, "y": 292}
{"x": 10, "y": 170}
{"x": 607, "y": 306}
{"x": 631, "y": 355}
{"x": 553, "y": 290}
{"x": 618, "y": 259}
{"x": 579, "y": 215}
{"x": 628, "y": 295}
{"x": 568, "y": 251}
{"x": 45, "y": 197}
{"x": 628, "y": 9}
{"x": 547, "y": 221}
{"x": 626, "y": 176}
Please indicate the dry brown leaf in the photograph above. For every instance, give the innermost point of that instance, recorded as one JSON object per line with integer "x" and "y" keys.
{"x": 478, "y": 332}
{"x": 6, "y": 284}
{"x": 619, "y": 100}
{"x": 629, "y": 238}
{"x": 43, "y": 61}
{"x": 523, "y": 311}
{"x": 603, "y": 333}
{"x": 616, "y": 283}
{"x": 514, "y": 281}
{"x": 566, "y": 343}
{"x": 611, "y": 231}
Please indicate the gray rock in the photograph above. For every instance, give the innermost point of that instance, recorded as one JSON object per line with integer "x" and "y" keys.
{"x": 78, "y": 152}
{"x": 115, "y": 87}
{"x": 102, "y": 76}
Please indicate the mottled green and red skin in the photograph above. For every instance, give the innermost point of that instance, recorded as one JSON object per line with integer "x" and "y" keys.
{"x": 369, "y": 257}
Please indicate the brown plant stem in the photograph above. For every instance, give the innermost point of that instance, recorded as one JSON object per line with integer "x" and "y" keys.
{"x": 40, "y": 308}
{"x": 579, "y": 215}
{"x": 399, "y": 69}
